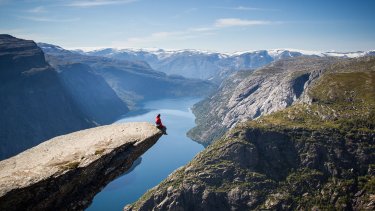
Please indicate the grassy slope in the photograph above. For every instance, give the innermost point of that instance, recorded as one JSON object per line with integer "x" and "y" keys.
{"x": 342, "y": 105}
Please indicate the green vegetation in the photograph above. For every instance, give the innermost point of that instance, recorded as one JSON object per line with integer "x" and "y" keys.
{"x": 342, "y": 101}
{"x": 326, "y": 147}
{"x": 367, "y": 183}
{"x": 174, "y": 182}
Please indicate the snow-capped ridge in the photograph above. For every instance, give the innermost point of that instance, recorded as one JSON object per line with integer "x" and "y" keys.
{"x": 203, "y": 64}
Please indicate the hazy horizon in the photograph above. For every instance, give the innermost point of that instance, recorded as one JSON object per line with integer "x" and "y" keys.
{"x": 225, "y": 26}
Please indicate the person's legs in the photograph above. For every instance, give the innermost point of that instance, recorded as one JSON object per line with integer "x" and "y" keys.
{"x": 163, "y": 129}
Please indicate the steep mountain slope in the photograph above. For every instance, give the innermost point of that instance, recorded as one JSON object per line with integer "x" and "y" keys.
{"x": 248, "y": 95}
{"x": 34, "y": 104}
{"x": 311, "y": 156}
{"x": 132, "y": 81}
{"x": 91, "y": 93}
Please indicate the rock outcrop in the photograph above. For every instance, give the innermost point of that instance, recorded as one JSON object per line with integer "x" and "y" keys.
{"x": 66, "y": 172}
{"x": 314, "y": 155}
{"x": 251, "y": 94}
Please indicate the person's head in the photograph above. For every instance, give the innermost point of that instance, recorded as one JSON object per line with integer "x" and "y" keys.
{"x": 158, "y": 115}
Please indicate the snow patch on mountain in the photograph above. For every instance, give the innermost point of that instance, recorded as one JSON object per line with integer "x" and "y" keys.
{"x": 209, "y": 65}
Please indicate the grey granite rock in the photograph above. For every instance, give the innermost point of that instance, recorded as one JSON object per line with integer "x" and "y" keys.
{"x": 65, "y": 173}
{"x": 293, "y": 159}
{"x": 249, "y": 95}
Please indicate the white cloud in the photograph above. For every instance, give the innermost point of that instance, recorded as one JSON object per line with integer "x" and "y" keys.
{"x": 243, "y": 8}
{"x": 202, "y": 29}
{"x": 229, "y": 22}
{"x": 47, "y": 19}
{"x": 39, "y": 9}
{"x": 186, "y": 12}
{"x": 93, "y": 3}
{"x": 191, "y": 33}
{"x": 247, "y": 8}
{"x": 182, "y": 35}
{"x": 157, "y": 36}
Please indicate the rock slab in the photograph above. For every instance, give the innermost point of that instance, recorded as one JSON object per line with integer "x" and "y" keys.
{"x": 64, "y": 173}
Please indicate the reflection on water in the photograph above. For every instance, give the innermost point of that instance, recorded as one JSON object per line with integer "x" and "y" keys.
{"x": 169, "y": 153}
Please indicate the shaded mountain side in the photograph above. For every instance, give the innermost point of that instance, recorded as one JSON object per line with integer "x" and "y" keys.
{"x": 133, "y": 81}
{"x": 91, "y": 93}
{"x": 149, "y": 87}
{"x": 34, "y": 104}
{"x": 249, "y": 95}
{"x": 18, "y": 56}
{"x": 311, "y": 156}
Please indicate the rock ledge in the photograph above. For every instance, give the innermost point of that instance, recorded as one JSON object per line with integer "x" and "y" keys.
{"x": 67, "y": 171}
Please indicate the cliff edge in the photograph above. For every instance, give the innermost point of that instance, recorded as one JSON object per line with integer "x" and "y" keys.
{"x": 313, "y": 155}
{"x": 64, "y": 173}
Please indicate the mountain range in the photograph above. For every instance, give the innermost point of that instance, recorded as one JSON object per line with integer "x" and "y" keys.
{"x": 132, "y": 80}
{"x": 213, "y": 66}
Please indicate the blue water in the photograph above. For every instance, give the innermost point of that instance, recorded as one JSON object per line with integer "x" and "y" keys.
{"x": 169, "y": 153}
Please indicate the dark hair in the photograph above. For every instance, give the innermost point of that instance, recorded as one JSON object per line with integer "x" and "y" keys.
{"x": 158, "y": 114}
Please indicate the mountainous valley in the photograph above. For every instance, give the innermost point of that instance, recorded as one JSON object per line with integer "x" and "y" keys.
{"x": 317, "y": 154}
{"x": 133, "y": 81}
{"x": 66, "y": 92}
{"x": 282, "y": 129}
{"x": 141, "y": 105}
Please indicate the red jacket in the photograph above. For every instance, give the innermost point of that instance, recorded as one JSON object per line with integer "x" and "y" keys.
{"x": 158, "y": 122}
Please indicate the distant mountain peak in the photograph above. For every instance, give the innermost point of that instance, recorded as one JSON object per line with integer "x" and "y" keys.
{"x": 202, "y": 64}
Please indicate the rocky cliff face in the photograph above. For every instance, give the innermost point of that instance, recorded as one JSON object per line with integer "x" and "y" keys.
{"x": 33, "y": 104}
{"x": 249, "y": 95}
{"x": 314, "y": 155}
{"x": 66, "y": 172}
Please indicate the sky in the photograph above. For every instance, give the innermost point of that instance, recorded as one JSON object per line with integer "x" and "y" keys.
{"x": 213, "y": 25}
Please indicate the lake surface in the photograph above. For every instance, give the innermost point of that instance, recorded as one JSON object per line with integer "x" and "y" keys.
{"x": 169, "y": 153}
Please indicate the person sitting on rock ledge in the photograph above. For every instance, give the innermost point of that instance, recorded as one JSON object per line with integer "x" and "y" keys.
{"x": 160, "y": 125}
